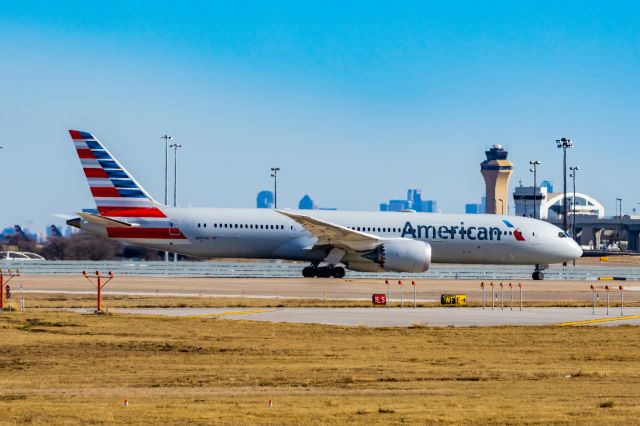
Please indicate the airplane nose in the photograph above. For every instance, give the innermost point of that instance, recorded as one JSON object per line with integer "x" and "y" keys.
{"x": 575, "y": 249}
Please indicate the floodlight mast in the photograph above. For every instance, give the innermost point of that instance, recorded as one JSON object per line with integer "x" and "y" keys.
{"x": 564, "y": 144}
{"x": 574, "y": 171}
{"x": 274, "y": 175}
{"x": 535, "y": 164}
{"x": 166, "y": 138}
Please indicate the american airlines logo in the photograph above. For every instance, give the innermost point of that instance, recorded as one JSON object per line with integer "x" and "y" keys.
{"x": 443, "y": 232}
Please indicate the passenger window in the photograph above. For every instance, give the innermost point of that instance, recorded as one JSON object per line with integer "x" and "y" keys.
{"x": 205, "y": 225}
{"x": 198, "y": 225}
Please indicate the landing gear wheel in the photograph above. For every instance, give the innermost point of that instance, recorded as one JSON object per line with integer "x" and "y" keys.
{"x": 538, "y": 275}
{"x": 323, "y": 272}
{"x": 338, "y": 272}
{"x": 309, "y": 272}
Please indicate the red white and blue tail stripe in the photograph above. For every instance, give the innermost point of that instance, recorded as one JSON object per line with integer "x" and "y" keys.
{"x": 116, "y": 192}
{"x": 118, "y": 195}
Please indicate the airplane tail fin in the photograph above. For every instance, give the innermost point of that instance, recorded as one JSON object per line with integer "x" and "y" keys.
{"x": 115, "y": 191}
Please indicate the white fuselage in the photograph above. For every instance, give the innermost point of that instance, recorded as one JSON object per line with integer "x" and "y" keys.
{"x": 267, "y": 234}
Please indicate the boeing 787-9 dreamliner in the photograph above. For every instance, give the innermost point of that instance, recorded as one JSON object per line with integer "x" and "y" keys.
{"x": 330, "y": 241}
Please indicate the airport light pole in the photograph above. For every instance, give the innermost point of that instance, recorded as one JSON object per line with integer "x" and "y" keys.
{"x": 175, "y": 147}
{"x": 534, "y": 170}
{"x": 166, "y": 138}
{"x": 619, "y": 201}
{"x": 574, "y": 171}
{"x": 564, "y": 143}
{"x": 274, "y": 175}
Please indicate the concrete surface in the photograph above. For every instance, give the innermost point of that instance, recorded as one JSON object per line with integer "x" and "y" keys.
{"x": 428, "y": 290}
{"x": 383, "y": 317}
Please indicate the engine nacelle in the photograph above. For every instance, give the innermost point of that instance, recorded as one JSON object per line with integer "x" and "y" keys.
{"x": 400, "y": 255}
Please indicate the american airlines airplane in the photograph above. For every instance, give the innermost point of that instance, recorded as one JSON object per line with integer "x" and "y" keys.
{"x": 330, "y": 241}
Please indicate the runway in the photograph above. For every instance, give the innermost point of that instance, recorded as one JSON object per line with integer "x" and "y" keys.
{"x": 396, "y": 317}
{"x": 351, "y": 289}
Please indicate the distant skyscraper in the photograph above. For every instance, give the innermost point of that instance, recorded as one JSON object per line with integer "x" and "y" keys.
{"x": 429, "y": 206}
{"x": 415, "y": 197}
{"x": 472, "y": 208}
{"x": 264, "y": 200}
{"x": 496, "y": 170}
{"x": 306, "y": 203}
{"x": 414, "y": 201}
{"x": 476, "y": 208}
{"x": 399, "y": 205}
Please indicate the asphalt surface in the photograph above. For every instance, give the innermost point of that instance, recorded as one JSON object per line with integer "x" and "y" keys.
{"x": 314, "y": 288}
{"x": 396, "y": 317}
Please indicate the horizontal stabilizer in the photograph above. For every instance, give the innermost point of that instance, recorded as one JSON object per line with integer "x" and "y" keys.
{"x": 105, "y": 221}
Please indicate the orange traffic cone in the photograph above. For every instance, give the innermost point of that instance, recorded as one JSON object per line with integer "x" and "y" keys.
{"x": 270, "y": 405}
{"x": 125, "y": 403}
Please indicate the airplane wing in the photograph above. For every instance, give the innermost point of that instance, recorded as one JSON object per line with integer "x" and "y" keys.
{"x": 104, "y": 221}
{"x": 336, "y": 235}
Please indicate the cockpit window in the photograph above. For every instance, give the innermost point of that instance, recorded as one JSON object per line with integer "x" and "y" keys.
{"x": 564, "y": 235}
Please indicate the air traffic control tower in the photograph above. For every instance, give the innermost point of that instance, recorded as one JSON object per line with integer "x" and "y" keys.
{"x": 496, "y": 170}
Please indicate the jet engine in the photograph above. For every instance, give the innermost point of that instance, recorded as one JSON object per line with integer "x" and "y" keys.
{"x": 399, "y": 255}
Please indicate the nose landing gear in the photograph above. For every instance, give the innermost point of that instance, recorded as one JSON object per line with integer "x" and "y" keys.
{"x": 323, "y": 271}
{"x": 538, "y": 275}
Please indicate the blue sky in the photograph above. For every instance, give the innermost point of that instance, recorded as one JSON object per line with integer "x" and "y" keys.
{"x": 355, "y": 101}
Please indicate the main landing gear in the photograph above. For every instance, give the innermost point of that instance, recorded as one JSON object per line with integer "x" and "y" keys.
{"x": 323, "y": 271}
{"x": 538, "y": 275}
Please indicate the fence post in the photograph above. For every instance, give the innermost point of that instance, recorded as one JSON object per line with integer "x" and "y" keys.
{"x": 413, "y": 283}
{"x": 501, "y": 297}
{"x": 593, "y": 299}
{"x": 388, "y": 293}
{"x": 621, "y": 300}
{"x": 520, "y": 287}
{"x": 482, "y": 287}
{"x": 511, "y": 296}
{"x": 493, "y": 300}
{"x": 606, "y": 287}
{"x": 401, "y": 294}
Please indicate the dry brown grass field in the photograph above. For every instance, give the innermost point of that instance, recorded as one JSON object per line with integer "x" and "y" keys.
{"x": 66, "y": 368}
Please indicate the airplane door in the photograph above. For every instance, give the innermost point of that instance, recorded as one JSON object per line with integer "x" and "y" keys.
{"x": 174, "y": 226}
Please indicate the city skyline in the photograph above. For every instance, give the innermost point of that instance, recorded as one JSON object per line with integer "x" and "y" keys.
{"x": 392, "y": 96}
